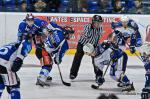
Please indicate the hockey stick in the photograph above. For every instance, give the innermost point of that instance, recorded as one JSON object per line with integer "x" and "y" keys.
{"x": 97, "y": 86}
{"x": 65, "y": 83}
{"x": 138, "y": 56}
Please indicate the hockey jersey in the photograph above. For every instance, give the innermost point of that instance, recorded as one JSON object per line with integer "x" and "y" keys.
{"x": 130, "y": 32}
{"x": 9, "y": 52}
{"x": 25, "y": 30}
{"x": 56, "y": 43}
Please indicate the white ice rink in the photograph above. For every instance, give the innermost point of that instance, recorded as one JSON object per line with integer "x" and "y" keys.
{"x": 80, "y": 88}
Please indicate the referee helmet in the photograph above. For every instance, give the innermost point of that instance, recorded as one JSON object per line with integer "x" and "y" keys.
{"x": 97, "y": 18}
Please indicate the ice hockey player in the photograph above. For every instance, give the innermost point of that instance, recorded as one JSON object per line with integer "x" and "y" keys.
{"x": 127, "y": 29}
{"x": 55, "y": 45}
{"x": 145, "y": 55}
{"x": 11, "y": 60}
{"x": 109, "y": 53}
{"x": 126, "y": 33}
{"x": 31, "y": 27}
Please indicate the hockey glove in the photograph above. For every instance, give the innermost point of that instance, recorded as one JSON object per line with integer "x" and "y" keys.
{"x": 16, "y": 64}
{"x": 118, "y": 33}
{"x": 57, "y": 60}
{"x": 100, "y": 80}
{"x": 132, "y": 49}
{"x": 138, "y": 42}
{"x": 113, "y": 56}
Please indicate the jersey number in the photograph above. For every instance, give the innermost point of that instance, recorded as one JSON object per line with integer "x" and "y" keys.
{"x": 4, "y": 50}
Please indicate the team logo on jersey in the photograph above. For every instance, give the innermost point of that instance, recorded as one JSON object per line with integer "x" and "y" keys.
{"x": 148, "y": 33}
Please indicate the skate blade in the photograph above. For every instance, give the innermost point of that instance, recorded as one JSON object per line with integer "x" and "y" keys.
{"x": 132, "y": 92}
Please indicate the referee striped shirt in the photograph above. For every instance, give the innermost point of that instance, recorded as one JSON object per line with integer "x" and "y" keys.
{"x": 91, "y": 35}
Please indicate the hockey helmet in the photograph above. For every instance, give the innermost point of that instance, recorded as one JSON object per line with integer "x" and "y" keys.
{"x": 88, "y": 48}
{"x": 145, "y": 48}
{"x": 97, "y": 18}
{"x": 124, "y": 18}
{"x": 30, "y": 17}
{"x": 68, "y": 30}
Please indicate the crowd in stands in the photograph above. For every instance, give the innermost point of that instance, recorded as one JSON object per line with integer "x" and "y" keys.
{"x": 77, "y": 6}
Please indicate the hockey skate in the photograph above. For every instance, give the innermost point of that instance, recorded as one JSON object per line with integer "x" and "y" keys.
{"x": 49, "y": 79}
{"x": 43, "y": 83}
{"x": 72, "y": 77}
{"x": 128, "y": 88}
{"x": 120, "y": 84}
{"x": 145, "y": 93}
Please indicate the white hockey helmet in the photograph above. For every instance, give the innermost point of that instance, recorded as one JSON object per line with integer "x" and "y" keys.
{"x": 88, "y": 48}
{"x": 124, "y": 18}
{"x": 145, "y": 48}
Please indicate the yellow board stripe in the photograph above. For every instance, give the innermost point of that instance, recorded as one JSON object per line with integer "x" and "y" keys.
{"x": 72, "y": 52}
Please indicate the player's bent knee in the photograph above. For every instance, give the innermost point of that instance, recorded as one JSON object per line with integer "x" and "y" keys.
{"x": 118, "y": 75}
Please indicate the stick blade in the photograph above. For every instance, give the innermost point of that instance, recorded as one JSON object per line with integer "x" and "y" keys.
{"x": 94, "y": 86}
{"x": 67, "y": 84}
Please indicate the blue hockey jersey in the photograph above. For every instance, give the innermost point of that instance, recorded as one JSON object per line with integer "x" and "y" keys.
{"x": 25, "y": 31}
{"x": 116, "y": 51}
{"x": 8, "y": 53}
{"x": 56, "y": 43}
{"x": 131, "y": 31}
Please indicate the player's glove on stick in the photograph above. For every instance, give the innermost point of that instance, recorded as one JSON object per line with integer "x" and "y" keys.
{"x": 16, "y": 64}
{"x": 132, "y": 49}
{"x": 57, "y": 60}
{"x": 100, "y": 80}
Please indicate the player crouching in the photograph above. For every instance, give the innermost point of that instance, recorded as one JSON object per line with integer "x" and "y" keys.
{"x": 11, "y": 60}
{"x": 108, "y": 53}
{"x": 54, "y": 48}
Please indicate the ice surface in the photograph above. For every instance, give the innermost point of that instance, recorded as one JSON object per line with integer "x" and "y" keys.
{"x": 80, "y": 88}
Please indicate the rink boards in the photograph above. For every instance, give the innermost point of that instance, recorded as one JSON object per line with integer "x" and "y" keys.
{"x": 9, "y": 25}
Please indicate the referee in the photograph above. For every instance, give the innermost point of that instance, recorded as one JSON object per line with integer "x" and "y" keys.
{"x": 91, "y": 34}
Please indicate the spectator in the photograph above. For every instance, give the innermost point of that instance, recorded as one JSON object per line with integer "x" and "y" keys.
{"x": 138, "y": 6}
{"x": 53, "y": 5}
{"x": 23, "y": 6}
{"x": 40, "y": 6}
{"x": 83, "y": 6}
{"x": 117, "y": 6}
{"x": 106, "y": 6}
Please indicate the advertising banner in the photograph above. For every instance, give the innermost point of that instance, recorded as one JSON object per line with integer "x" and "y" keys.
{"x": 78, "y": 24}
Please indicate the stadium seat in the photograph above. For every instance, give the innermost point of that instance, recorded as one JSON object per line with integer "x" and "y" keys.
{"x": 92, "y": 5}
{"x": 64, "y": 2}
{"x": 1, "y": 5}
{"x": 9, "y": 5}
{"x": 64, "y": 6}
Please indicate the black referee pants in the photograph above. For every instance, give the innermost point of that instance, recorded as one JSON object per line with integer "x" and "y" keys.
{"x": 77, "y": 61}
